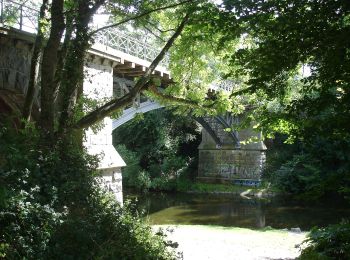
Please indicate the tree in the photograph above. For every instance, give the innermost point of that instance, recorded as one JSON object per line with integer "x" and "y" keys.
{"x": 281, "y": 37}
{"x": 61, "y": 65}
{"x": 279, "y": 42}
{"x": 52, "y": 205}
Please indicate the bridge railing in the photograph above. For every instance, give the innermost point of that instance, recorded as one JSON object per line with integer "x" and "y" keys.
{"x": 20, "y": 16}
{"x": 224, "y": 85}
{"x": 122, "y": 41}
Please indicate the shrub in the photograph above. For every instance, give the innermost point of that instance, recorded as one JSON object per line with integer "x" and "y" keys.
{"x": 26, "y": 226}
{"x": 143, "y": 181}
{"x": 310, "y": 170}
{"x": 131, "y": 171}
{"x": 163, "y": 183}
{"x": 332, "y": 242}
{"x": 53, "y": 207}
{"x": 104, "y": 230}
{"x": 28, "y": 214}
{"x": 300, "y": 175}
{"x": 163, "y": 145}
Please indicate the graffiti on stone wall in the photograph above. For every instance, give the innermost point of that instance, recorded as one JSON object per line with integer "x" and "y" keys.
{"x": 236, "y": 164}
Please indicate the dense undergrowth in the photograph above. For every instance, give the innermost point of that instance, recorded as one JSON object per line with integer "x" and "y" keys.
{"x": 161, "y": 155}
{"x": 332, "y": 242}
{"x": 310, "y": 170}
{"x": 52, "y": 207}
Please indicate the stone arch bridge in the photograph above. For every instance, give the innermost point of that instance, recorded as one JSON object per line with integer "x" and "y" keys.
{"x": 112, "y": 63}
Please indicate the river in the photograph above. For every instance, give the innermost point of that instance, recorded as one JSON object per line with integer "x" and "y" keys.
{"x": 236, "y": 211}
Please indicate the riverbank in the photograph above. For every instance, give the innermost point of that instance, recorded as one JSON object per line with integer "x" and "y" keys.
{"x": 244, "y": 191}
{"x": 216, "y": 243}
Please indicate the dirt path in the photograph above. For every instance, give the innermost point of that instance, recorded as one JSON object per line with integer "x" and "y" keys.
{"x": 218, "y": 243}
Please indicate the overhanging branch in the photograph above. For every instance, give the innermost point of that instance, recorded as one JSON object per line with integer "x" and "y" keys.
{"x": 241, "y": 91}
{"x": 119, "y": 103}
{"x": 181, "y": 101}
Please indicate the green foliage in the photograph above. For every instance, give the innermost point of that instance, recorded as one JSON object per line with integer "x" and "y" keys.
{"x": 272, "y": 31}
{"x": 163, "y": 184}
{"x": 143, "y": 181}
{"x": 106, "y": 232}
{"x": 129, "y": 173}
{"x": 332, "y": 242}
{"x": 53, "y": 207}
{"x": 27, "y": 217}
{"x": 27, "y": 226}
{"x": 163, "y": 146}
{"x": 300, "y": 176}
{"x": 310, "y": 170}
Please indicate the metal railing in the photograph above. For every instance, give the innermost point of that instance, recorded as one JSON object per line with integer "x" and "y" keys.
{"x": 224, "y": 85}
{"x": 20, "y": 16}
{"x": 122, "y": 41}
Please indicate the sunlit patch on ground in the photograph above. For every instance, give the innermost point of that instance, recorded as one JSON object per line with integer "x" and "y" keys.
{"x": 216, "y": 243}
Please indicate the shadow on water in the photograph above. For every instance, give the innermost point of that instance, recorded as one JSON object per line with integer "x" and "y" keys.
{"x": 236, "y": 211}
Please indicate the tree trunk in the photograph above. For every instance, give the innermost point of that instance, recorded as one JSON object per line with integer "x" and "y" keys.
{"x": 73, "y": 72}
{"x": 34, "y": 66}
{"x": 48, "y": 69}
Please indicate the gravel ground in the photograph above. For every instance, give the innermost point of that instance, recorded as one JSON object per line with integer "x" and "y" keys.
{"x": 219, "y": 243}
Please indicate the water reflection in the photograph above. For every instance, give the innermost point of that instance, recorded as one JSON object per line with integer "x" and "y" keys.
{"x": 230, "y": 210}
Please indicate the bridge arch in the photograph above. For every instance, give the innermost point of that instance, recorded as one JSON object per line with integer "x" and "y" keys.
{"x": 215, "y": 126}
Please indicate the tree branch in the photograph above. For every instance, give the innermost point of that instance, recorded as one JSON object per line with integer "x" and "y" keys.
{"x": 181, "y": 101}
{"x": 158, "y": 29}
{"x": 119, "y": 103}
{"x": 241, "y": 91}
{"x": 155, "y": 35}
{"x": 139, "y": 16}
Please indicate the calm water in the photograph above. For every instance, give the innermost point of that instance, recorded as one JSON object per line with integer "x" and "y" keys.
{"x": 235, "y": 211}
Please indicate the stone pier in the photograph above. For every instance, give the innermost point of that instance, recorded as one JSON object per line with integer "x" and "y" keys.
{"x": 232, "y": 163}
{"x": 98, "y": 85}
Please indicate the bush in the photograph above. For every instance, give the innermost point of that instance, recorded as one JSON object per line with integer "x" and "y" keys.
{"x": 53, "y": 207}
{"x": 311, "y": 170}
{"x": 162, "y": 146}
{"x": 163, "y": 183}
{"x": 301, "y": 176}
{"x": 26, "y": 226}
{"x": 29, "y": 212}
{"x": 143, "y": 181}
{"x": 332, "y": 242}
{"x": 106, "y": 231}
{"x": 131, "y": 171}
